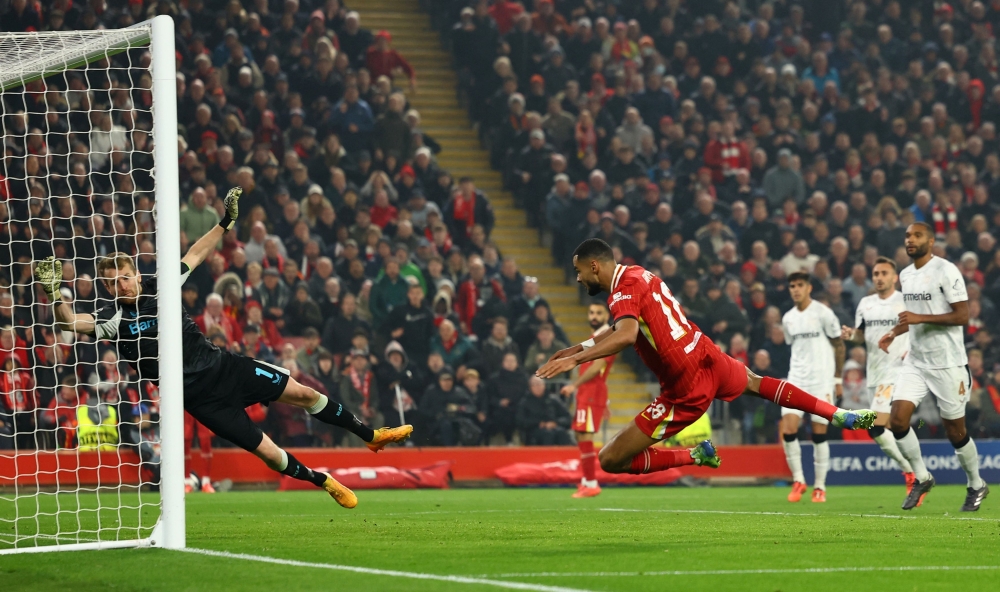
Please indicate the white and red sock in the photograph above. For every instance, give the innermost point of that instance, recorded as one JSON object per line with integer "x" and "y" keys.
{"x": 651, "y": 460}
{"x": 788, "y": 395}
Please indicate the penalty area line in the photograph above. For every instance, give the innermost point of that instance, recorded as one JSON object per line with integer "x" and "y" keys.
{"x": 384, "y": 572}
{"x": 743, "y": 572}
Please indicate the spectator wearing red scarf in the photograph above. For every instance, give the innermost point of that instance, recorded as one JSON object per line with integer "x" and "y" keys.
{"x": 382, "y": 60}
{"x": 17, "y": 388}
{"x": 61, "y": 412}
{"x": 943, "y": 217}
{"x": 503, "y": 12}
{"x": 214, "y": 316}
{"x": 726, "y": 154}
{"x": 585, "y": 135}
{"x": 475, "y": 292}
{"x": 359, "y": 389}
{"x": 599, "y": 89}
{"x": 384, "y": 213}
{"x": 468, "y": 207}
{"x": 546, "y": 21}
{"x": 976, "y": 92}
{"x": 13, "y": 347}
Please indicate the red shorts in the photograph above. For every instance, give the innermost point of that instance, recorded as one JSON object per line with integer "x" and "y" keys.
{"x": 718, "y": 377}
{"x": 591, "y": 409}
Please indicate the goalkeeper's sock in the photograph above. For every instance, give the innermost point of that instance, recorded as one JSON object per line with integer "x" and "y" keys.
{"x": 788, "y": 395}
{"x": 651, "y": 460}
{"x": 335, "y": 414}
{"x": 587, "y": 459}
{"x": 296, "y": 470}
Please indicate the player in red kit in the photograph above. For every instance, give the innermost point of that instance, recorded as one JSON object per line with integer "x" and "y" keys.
{"x": 193, "y": 427}
{"x": 591, "y": 387}
{"x": 691, "y": 369}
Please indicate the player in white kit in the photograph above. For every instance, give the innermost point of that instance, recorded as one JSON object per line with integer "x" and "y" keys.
{"x": 817, "y": 361}
{"x": 937, "y": 307}
{"x": 877, "y": 314}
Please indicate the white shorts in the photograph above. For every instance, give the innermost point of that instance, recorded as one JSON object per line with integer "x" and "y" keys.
{"x": 822, "y": 392}
{"x": 950, "y": 386}
{"x": 881, "y": 397}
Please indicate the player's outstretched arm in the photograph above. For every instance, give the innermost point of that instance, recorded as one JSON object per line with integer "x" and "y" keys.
{"x": 48, "y": 273}
{"x": 607, "y": 344}
{"x": 200, "y": 250}
{"x": 573, "y": 350}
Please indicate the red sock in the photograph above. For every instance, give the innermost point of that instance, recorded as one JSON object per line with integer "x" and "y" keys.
{"x": 587, "y": 458}
{"x": 787, "y": 394}
{"x": 187, "y": 457}
{"x": 659, "y": 459}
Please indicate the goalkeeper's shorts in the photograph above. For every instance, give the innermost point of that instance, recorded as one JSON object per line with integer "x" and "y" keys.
{"x": 218, "y": 400}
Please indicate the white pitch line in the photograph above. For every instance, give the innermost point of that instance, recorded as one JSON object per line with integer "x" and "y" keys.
{"x": 660, "y": 510}
{"x": 743, "y": 572}
{"x": 385, "y": 572}
{"x": 808, "y": 514}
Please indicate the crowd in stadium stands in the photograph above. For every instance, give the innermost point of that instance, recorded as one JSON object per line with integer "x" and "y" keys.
{"x": 722, "y": 145}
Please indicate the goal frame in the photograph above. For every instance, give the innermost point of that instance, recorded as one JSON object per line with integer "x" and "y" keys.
{"x": 170, "y": 530}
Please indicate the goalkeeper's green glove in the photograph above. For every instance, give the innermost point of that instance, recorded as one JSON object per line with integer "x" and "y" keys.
{"x": 232, "y": 204}
{"x": 48, "y": 272}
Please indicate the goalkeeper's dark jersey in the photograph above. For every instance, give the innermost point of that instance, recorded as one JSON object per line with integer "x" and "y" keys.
{"x": 134, "y": 328}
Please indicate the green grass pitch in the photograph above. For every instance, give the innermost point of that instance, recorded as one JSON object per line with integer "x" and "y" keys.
{"x": 633, "y": 539}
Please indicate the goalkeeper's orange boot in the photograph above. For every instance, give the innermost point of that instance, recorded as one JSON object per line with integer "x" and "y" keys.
{"x": 340, "y": 494}
{"x": 385, "y": 436}
{"x": 798, "y": 488}
{"x": 819, "y": 496}
{"x": 206, "y": 486}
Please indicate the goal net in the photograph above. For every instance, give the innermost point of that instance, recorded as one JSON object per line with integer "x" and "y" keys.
{"x": 87, "y": 454}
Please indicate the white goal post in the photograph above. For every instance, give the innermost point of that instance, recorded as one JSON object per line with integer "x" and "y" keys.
{"x": 45, "y": 503}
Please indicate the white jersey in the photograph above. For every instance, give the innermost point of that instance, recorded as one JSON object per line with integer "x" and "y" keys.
{"x": 931, "y": 290}
{"x": 877, "y": 316}
{"x": 809, "y": 333}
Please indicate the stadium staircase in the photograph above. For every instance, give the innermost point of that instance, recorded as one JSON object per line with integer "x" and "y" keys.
{"x": 448, "y": 123}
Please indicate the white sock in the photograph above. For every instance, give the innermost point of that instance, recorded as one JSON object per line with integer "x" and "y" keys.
{"x": 821, "y": 462}
{"x": 591, "y": 484}
{"x": 887, "y": 442}
{"x": 205, "y": 480}
{"x": 320, "y": 404}
{"x": 793, "y": 454}
{"x": 909, "y": 447}
{"x": 284, "y": 461}
{"x": 968, "y": 457}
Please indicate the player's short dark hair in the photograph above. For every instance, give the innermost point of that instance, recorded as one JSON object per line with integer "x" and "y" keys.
{"x": 799, "y": 276}
{"x": 594, "y": 249}
{"x": 115, "y": 261}
{"x": 600, "y": 303}
{"x": 930, "y": 229}
{"x": 886, "y": 261}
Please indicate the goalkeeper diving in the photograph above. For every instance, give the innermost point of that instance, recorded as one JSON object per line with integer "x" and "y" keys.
{"x": 218, "y": 384}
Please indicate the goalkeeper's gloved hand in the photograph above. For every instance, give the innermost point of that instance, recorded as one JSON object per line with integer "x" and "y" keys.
{"x": 232, "y": 203}
{"x": 48, "y": 272}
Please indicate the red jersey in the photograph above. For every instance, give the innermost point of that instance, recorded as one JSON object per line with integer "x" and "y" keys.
{"x": 670, "y": 345}
{"x": 597, "y": 387}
